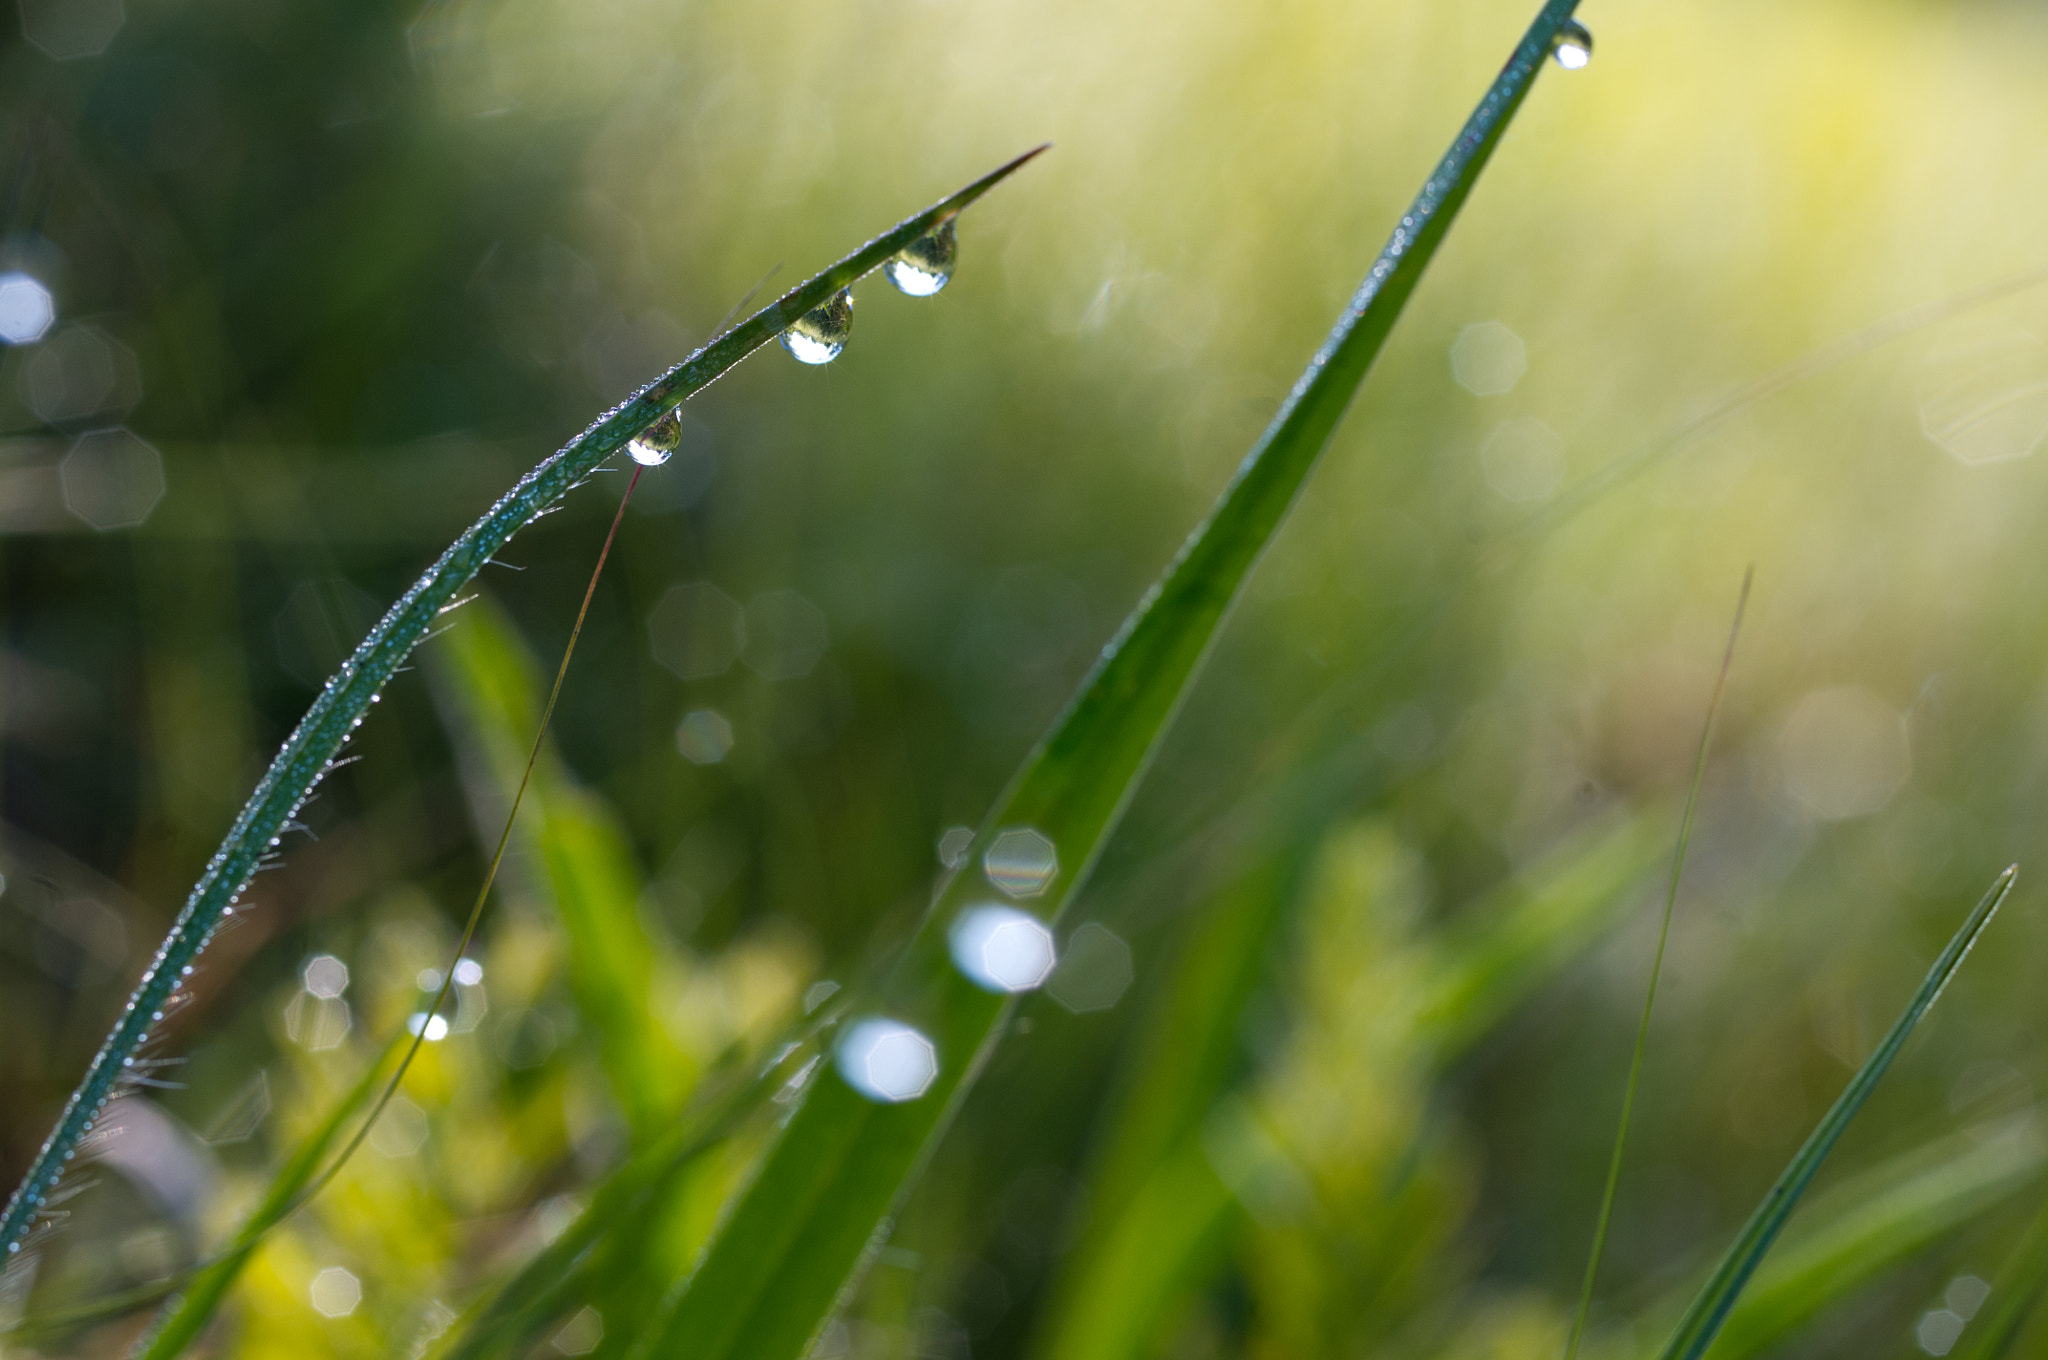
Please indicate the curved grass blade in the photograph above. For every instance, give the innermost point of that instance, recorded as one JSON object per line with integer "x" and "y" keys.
{"x": 1703, "y": 1320}
{"x": 310, "y": 751}
{"x": 1635, "y": 1063}
{"x": 186, "y": 1315}
{"x": 820, "y": 1206}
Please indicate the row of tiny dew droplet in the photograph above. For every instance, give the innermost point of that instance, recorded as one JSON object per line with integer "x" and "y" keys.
{"x": 920, "y": 269}
{"x": 998, "y": 947}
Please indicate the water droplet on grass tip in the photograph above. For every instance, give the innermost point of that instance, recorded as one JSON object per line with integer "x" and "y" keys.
{"x": 658, "y": 442}
{"x": 820, "y": 334}
{"x": 925, "y": 265}
{"x": 1572, "y": 45}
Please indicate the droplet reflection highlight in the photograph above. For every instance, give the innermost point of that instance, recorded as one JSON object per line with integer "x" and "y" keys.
{"x": 1002, "y": 949}
{"x": 887, "y": 1061}
{"x": 1573, "y": 46}
{"x": 925, "y": 265}
{"x": 820, "y": 334}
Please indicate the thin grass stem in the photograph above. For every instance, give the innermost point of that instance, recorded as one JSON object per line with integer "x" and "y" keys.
{"x": 1635, "y": 1065}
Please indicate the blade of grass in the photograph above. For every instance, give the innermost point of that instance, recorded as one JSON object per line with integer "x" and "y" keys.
{"x": 1703, "y": 1320}
{"x": 1635, "y": 1062}
{"x": 185, "y": 1315}
{"x": 1876, "y": 1220}
{"x": 310, "y": 751}
{"x": 821, "y": 1203}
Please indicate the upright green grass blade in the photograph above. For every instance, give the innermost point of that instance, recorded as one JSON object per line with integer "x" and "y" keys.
{"x": 342, "y": 704}
{"x": 187, "y": 1314}
{"x": 1703, "y": 1320}
{"x": 821, "y": 1203}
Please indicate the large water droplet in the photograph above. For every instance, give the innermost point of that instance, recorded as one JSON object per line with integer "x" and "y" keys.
{"x": 925, "y": 265}
{"x": 1002, "y": 949}
{"x": 887, "y": 1060}
{"x": 1572, "y": 45}
{"x": 658, "y": 442}
{"x": 818, "y": 335}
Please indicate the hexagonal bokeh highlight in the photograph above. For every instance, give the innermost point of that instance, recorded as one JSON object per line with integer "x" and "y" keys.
{"x": 581, "y": 1334}
{"x": 1021, "y": 862}
{"x": 78, "y": 374}
{"x": 1988, "y": 401}
{"x": 326, "y": 977}
{"x": 112, "y": 479}
{"x": 1523, "y": 460}
{"x": 26, "y": 309}
{"x": 954, "y": 845}
{"x": 70, "y": 29}
{"x": 400, "y": 1130}
{"x": 696, "y": 631}
{"x": 887, "y": 1061}
{"x": 785, "y": 635}
{"x": 1001, "y": 949}
{"x": 1844, "y": 752}
{"x": 1488, "y": 359}
{"x": 335, "y": 1292}
{"x": 1094, "y": 970}
{"x": 704, "y": 737}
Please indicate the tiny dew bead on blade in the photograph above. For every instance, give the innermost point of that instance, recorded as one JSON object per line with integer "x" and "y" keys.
{"x": 820, "y": 334}
{"x": 658, "y": 442}
{"x": 1572, "y": 46}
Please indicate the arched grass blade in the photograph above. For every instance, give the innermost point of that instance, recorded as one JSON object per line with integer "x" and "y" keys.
{"x": 1703, "y": 1320}
{"x": 311, "y": 749}
{"x": 820, "y": 1205}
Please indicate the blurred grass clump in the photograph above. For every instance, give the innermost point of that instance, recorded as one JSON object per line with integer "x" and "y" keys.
{"x": 1331, "y": 1065}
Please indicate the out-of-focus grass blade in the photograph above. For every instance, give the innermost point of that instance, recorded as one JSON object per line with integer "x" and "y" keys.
{"x": 492, "y": 689}
{"x": 1710, "y": 1309}
{"x": 2015, "y": 1294}
{"x": 186, "y": 1314}
{"x": 821, "y": 1203}
{"x": 1158, "y": 1211}
{"x": 560, "y": 1276}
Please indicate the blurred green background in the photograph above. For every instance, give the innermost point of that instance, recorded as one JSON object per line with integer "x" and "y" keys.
{"x": 1362, "y": 966}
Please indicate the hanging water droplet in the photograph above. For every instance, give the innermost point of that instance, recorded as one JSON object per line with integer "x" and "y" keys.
{"x": 925, "y": 265}
{"x": 1572, "y": 45}
{"x": 887, "y": 1061}
{"x": 658, "y": 442}
{"x": 818, "y": 335}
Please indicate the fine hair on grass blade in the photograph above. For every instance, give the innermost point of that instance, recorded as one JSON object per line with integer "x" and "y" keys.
{"x": 1635, "y": 1062}
{"x": 820, "y": 1204}
{"x": 1709, "y": 1309}
{"x": 345, "y": 700}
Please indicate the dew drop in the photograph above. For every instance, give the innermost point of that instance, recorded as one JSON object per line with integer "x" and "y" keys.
{"x": 659, "y": 441}
{"x": 1572, "y": 45}
{"x": 925, "y": 265}
{"x": 1002, "y": 949}
{"x": 887, "y": 1061}
{"x": 818, "y": 335}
